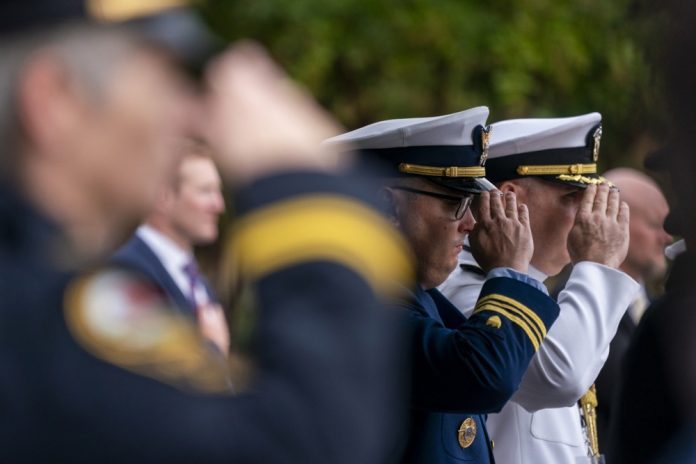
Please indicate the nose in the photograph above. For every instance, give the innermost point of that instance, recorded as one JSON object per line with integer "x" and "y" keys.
{"x": 666, "y": 238}
{"x": 466, "y": 223}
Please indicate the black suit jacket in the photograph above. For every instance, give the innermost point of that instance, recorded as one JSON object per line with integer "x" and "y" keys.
{"x": 610, "y": 376}
{"x": 655, "y": 399}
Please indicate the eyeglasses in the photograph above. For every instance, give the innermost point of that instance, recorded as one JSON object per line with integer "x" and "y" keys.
{"x": 462, "y": 203}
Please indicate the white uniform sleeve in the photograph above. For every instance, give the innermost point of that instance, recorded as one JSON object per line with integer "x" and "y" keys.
{"x": 577, "y": 345}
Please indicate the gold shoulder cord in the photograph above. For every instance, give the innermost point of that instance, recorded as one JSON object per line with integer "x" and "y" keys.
{"x": 588, "y": 404}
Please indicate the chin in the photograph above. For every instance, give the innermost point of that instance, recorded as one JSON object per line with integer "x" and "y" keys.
{"x": 657, "y": 271}
{"x": 446, "y": 273}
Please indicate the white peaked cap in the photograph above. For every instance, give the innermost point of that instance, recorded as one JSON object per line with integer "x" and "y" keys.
{"x": 559, "y": 149}
{"x": 445, "y": 149}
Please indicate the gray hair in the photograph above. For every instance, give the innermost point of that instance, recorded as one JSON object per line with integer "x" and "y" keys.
{"x": 89, "y": 54}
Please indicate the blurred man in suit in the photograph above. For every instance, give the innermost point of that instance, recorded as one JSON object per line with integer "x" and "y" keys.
{"x": 186, "y": 214}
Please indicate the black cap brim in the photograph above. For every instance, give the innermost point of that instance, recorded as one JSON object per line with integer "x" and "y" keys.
{"x": 464, "y": 184}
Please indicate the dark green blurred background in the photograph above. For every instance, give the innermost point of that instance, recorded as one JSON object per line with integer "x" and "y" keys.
{"x": 368, "y": 60}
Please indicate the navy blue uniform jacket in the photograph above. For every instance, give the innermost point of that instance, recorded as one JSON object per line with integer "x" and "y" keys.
{"x": 463, "y": 369}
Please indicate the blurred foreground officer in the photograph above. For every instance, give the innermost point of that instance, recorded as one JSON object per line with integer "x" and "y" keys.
{"x": 462, "y": 369}
{"x": 550, "y": 164}
{"x": 186, "y": 214}
{"x": 96, "y": 368}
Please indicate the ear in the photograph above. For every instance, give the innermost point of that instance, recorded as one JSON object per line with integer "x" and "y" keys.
{"x": 391, "y": 203}
{"x": 48, "y": 105}
{"x": 509, "y": 186}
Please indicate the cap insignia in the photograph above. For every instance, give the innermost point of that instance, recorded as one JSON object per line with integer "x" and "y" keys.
{"x": 485, "y": 144}
{"x": 597, "y": 136}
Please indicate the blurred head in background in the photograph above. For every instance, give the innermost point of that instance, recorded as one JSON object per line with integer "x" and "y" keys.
{"x": 188, "y": 209}
{"x": 646, "y": 260}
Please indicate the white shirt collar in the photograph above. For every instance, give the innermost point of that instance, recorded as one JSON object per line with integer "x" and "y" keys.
{"x": 536, "y": 274}
{"x": 173, "y": 258}
{"x": 639, "y": 304}
{"x": 170, "y": 254}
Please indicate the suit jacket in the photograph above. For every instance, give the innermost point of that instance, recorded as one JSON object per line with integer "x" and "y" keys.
{"x": 610, "y": 376}
{"x": 464, "y": 368}
{"x": 137, "y": 256}
{"x": 654, "y": 405}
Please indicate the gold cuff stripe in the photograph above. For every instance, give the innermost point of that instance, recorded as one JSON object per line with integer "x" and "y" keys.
{"x": 123, "y": 10}
{"x": 327, "y": 227}
{"x": 520, "y": 307}
{"x": 539, "y": 332}
{"x": 436, "y": 171}
{"x": 556, "y": 169}
{"x": 517, "y": 320}
{"x": 514, "y": 305}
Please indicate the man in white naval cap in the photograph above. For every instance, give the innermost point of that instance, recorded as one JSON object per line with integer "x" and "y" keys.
{"x": 461, "y": 368}
{"x": 550, "y": 164}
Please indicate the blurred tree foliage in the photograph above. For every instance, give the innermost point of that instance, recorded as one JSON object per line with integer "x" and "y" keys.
{"x": 367, "y": 60}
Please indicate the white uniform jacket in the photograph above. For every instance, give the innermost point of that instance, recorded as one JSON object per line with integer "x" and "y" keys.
{"x": 541, "y": 423}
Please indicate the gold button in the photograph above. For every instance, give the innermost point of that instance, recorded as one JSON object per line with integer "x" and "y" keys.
{"x": 467, "y": 433}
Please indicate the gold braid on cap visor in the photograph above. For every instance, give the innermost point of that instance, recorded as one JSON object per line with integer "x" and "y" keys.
{"x": 438, "y": 171}
{"x": 557, "y": 169}
{"x": 565, "y": 172}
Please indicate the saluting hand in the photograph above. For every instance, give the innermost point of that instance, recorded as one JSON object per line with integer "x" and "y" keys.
{"x": 600, "y": 233}
{"x": 502, "y": 236}
{"x": 259, "y": 121}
